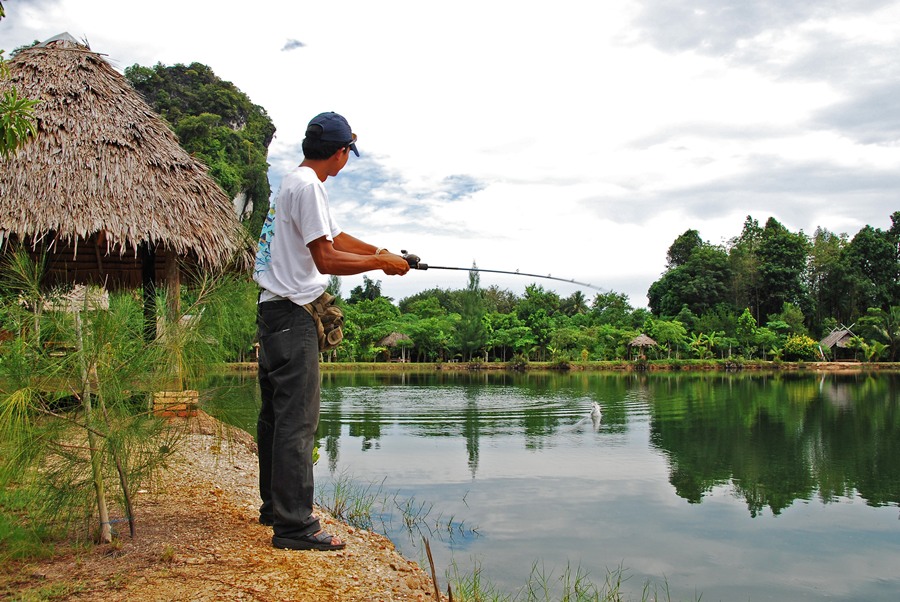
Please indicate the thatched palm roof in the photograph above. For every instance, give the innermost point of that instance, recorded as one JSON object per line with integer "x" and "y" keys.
{"x": 392, "y": 339}
{"x": 839, "y": 337}
{"x": 642, "y": 340}
{"x": 104, "y": 174}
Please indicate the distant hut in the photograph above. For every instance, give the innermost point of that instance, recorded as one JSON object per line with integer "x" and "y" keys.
{"x": 104, "y": 189}
{"x": 396, "y": 339}
{"x": 640, "y": 342}
{"x": 838, "y": 342}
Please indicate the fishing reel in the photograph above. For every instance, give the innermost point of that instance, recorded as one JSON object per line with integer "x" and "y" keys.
{"x": 415, "y": 263}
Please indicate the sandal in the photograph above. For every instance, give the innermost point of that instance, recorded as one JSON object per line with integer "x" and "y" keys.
{"x": 317, "y": 541}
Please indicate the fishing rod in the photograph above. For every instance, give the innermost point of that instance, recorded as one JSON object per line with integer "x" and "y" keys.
{"x": 415, "y": 263}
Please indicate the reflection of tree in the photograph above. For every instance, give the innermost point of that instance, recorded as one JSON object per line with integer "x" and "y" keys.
{"x": 472, "y": 429}
{"x": 778, "y": 439}
{"x": 769, "y": 468}
{"x": 369, "y": 427}
{"x": 870, "y": 466}
{"x": 330, "y": 427}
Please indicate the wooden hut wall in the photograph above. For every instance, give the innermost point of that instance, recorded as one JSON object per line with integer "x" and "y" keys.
{"x": 87, "y": 262}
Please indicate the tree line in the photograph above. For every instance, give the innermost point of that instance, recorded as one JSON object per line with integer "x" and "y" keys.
{"x": 766, "y": 293}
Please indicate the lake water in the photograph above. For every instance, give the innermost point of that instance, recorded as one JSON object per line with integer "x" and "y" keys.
{"x": 726, "y": 487}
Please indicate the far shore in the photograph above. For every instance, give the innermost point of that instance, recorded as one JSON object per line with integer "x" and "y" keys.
{"x": 720, "y": 365}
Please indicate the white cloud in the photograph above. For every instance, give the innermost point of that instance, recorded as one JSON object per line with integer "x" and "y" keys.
{"x": 572, "y": 138}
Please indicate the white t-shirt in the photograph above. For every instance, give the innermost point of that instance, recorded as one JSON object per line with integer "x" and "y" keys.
{"x": 298, "y": 215}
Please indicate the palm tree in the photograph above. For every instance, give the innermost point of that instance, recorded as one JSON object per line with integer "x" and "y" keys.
{"x": 886, "y": 326}
{"x": 575, "y": 304}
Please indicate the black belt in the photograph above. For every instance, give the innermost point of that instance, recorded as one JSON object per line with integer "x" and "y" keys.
{"x": 279, "y": 304}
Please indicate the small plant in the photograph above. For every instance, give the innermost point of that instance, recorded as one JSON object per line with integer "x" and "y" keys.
{"x": 519, "y": 363}
{"x": 350, "y": 502}
{"x": 542, "y": 586}
{"x": 168, "y": 554}
{"x": 75, "y": 432}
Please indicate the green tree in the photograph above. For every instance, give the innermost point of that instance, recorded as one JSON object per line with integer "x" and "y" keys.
{"x": 700, "y": 283}
{"x": 433, "y": 336}
{"x": 77, "y": 374}
{"x": 744, "y": 262}
{"x": 217, "y": 123}
{"x": 782, "y": 264}
{"x": 428, "y": 307}
{"x": 536, "y": 310}
{"x": 746, "y": 332}
{"x": 499, "y": 300}
{"x": 670, "y": 334}
{"x": 611, "y": 308}
{"x": 766, "y": 340}
{"x": 16, "y": 114}
{"x": 683, "y": 248}
{"x": 884, "y": 326}
{"x": 871, "y": 269}
{"x": 440, "y": 296}
{"x": 792, "y": 318}
{"x": 369, "y": 290}
{"x": 366, "y": 322}
{"x": 824, "y": 276}
{"x": 471, "y": 333}
{"x": 574, "y": 304}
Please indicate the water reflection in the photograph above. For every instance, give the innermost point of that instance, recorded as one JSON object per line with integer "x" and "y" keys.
{"x": 738, "y": 486}
{"x": 771, "y": 438}
{"x": 777, "y": 439}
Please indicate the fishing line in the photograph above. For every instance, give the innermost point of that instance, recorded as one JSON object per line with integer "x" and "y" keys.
{"x": 415, "y": 263}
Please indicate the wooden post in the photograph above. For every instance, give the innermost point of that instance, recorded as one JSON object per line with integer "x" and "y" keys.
{"x": 148, "y": 287}
{"x": 172, "y": 277}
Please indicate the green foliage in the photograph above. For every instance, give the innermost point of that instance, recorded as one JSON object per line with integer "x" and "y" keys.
{"x": 784, "y": 279}
{"x": 700, "y": 292}
{"x": 16, "y": 117}
{"x": 782, "y": 263}
{"x": 800, "y": 347}
{"x": 215, "y": 122}
{"x": 701, "y": 282}
{"x": 368, "y": 291}
{"x": 671, "y": 335}
{"x": 471, "y": 333}
{"x": 884, "y": 326}
{"x": 77, "y": 377}
{"x": 746, "y": 333}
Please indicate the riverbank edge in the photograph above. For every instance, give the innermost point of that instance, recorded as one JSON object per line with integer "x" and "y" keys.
{"x": 727, "y": 365}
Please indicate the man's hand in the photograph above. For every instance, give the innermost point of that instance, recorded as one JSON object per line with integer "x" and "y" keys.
{"x": 397, "y": 265}
{"x": 347, "y": 256}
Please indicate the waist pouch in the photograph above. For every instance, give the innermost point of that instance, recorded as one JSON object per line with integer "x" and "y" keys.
{"x": 329, "y": 321}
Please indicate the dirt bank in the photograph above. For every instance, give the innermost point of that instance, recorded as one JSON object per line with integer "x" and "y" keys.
{"x": 198, "y": 538}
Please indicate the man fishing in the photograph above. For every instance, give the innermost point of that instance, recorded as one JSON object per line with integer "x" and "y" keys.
{"x": 299, "y": 246}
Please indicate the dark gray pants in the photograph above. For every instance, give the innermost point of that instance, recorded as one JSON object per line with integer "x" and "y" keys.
{"x": 289, "y": 416}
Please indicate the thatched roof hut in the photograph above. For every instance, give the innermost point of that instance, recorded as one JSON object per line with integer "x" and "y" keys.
{"x": 104, "y": 187}
{"x": 837, "y": 342}
{"x": 642, "y": 340}
{"x": 393, "y": 339}
{"x": 839, "y": 337}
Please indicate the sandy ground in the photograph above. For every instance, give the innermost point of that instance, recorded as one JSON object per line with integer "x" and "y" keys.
{"x": 198, "y": 538}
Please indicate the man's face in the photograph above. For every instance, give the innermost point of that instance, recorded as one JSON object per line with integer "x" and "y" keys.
{"x": 339, "y": 160}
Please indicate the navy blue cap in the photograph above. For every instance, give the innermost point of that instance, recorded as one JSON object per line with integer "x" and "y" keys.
{"x": 335, "y": 129}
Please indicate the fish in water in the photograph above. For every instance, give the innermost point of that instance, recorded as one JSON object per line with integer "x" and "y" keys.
{"x": 593, "y": 420}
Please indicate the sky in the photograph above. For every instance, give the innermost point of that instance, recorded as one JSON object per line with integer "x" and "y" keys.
{"x": 572, "y": 138}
